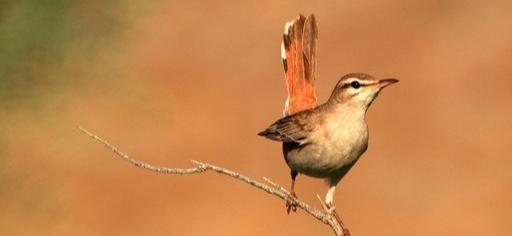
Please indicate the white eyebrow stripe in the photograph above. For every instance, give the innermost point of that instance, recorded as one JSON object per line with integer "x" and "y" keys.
{"x": 362, "y": 82}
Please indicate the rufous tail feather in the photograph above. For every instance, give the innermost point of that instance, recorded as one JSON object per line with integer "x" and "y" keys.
{"x": 298, "y": 51}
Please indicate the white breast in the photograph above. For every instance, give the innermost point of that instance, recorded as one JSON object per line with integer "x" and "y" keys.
{"x": 345, "y": 139}
{"x": 340, "y": 141}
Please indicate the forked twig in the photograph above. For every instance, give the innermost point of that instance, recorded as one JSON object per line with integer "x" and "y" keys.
{"x": 270, "y": 188}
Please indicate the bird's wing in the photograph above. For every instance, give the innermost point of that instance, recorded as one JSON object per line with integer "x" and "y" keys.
{"x": 298, "y": 51}
{"x": 295, "y": 128}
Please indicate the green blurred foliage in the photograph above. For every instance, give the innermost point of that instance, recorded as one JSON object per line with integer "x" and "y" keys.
{"x": 31, "y": 33}
{"x": 46, "y": 45}
{"x": 47, "y": 50}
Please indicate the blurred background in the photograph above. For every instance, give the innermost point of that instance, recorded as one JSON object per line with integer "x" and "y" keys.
{"x": 171, "y": 81}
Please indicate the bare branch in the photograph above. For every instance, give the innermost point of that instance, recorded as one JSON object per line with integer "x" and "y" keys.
{"x": 272, "y": 188}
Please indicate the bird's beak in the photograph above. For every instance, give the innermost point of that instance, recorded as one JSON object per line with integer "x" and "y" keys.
{"x": 386, "y": 82}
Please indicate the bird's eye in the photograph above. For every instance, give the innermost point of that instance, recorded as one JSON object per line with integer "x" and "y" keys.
{"x": 355, "y": 84}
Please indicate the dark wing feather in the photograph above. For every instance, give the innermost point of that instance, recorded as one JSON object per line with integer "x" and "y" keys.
{"x": 294, "y": 128}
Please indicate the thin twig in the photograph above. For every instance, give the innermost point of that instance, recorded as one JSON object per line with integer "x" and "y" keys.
{"x": 201, "y": 167}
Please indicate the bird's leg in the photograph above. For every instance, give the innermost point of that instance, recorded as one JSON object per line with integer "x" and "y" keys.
{"x": 329, "y": 202}
{"x": 291, "y": 203}
{"x": 329, "y": 198}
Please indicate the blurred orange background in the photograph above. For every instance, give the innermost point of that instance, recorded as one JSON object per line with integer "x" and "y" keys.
{"x": 171, "y": 81}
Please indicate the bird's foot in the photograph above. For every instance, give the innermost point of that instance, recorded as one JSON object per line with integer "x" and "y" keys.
{"x": 331, "y": 210}
{"x": 291, "y": 203}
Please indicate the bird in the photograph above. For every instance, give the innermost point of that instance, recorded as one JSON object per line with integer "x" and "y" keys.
{"x": 322, "y": 141}
{"x": 327, "y": 140}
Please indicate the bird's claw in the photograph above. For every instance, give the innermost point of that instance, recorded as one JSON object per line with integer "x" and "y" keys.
{"x": 331, "y": 210}
{"x": 291, "y": 203}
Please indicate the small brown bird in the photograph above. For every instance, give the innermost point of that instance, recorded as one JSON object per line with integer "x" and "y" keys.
{"x": 322, "y": 141}
{"x": 326, "y": 141}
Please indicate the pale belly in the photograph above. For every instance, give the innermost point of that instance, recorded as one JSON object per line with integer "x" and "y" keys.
{"x": 329, "y": 154}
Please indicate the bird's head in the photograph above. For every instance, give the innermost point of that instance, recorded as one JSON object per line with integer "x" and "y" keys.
{"x": 358, "y": 89}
